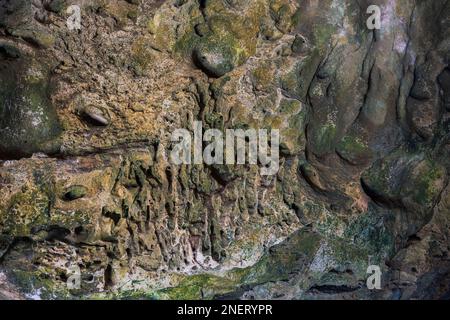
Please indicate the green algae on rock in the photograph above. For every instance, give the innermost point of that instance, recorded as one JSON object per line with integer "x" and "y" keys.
{"x": 28, "y": 120}
{"x": 408, "y": 180}
{"x": 353, "y": 150}
{"x": 215, "y": 57}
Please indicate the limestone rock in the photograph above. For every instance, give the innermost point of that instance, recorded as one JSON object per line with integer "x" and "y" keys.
{"x": 86, "y": 124}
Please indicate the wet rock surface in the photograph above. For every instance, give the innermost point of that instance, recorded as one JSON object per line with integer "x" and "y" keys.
{"x": 86, "y": 118}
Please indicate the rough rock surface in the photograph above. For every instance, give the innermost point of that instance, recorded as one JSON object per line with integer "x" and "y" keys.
{"x": 86, "y": 118}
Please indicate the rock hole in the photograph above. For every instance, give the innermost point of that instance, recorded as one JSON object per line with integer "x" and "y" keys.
{"x": 108, "y": 277}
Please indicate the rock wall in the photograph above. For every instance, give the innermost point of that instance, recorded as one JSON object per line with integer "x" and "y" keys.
{"x": 87, "y": 187}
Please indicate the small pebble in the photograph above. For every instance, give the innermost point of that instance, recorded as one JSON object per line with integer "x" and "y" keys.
{"x": 96, "y": 116}
{"x": 75, "y": 192}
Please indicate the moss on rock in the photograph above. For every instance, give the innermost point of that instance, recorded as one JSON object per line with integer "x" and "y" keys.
{"x": 407, "y": 180}
{"x": 28, "y": 121}
{"x": 353, "y": 150}
{"x": 323, "y": 138}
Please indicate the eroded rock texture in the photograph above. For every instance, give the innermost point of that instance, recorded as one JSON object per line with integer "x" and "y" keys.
{"x": 86, "y": 119}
